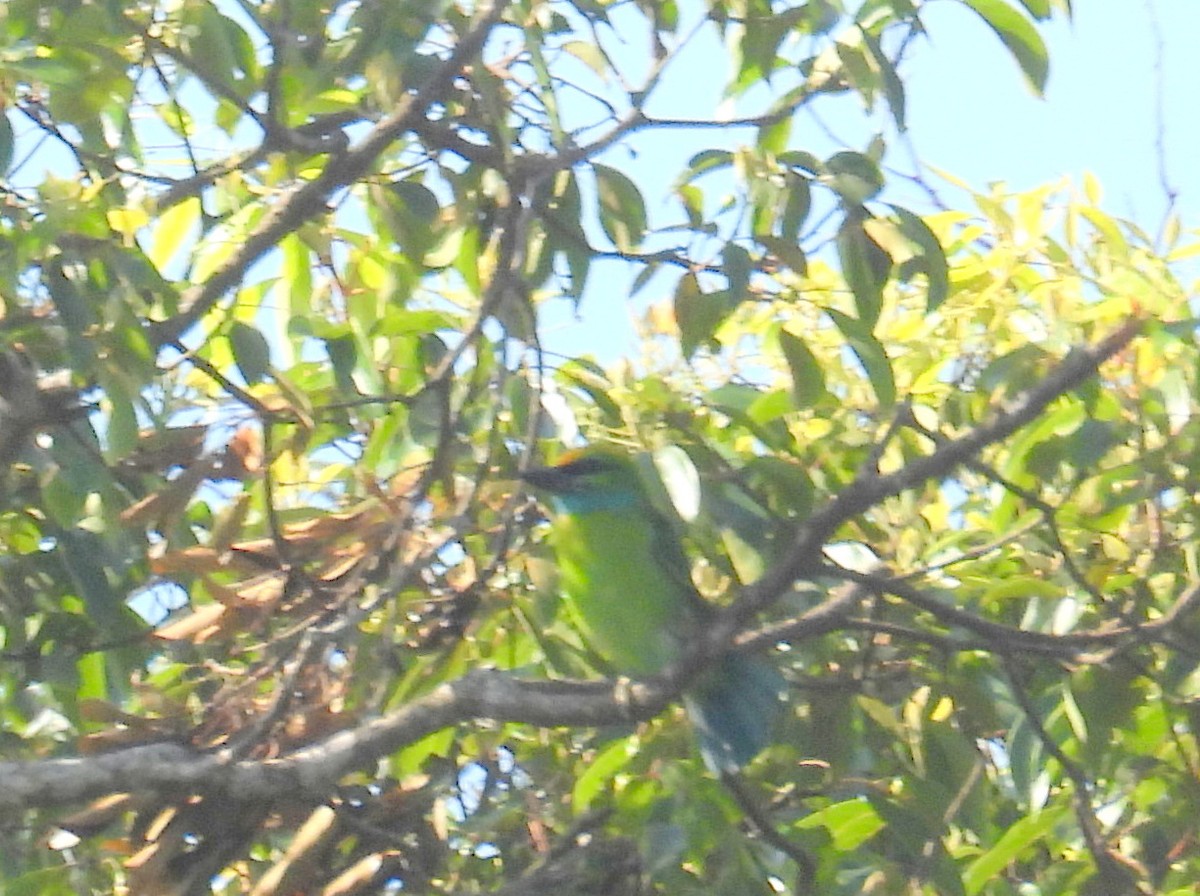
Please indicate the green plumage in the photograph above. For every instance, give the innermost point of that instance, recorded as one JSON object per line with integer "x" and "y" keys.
{"x": 626, "y": 583}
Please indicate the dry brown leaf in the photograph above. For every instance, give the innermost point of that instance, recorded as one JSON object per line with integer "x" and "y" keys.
{"x": 198, "y": 626}
{"x": 99, "y": 814}
{"x": 161, "y": 449}
{"x": 193, "y": 560}
{"x": 339, "y": 568}
{"x": 359, "y": 875}
{"x": 245, "y": 451}
{"x": 169, "y": 501}
{"x": 254, "y": 593}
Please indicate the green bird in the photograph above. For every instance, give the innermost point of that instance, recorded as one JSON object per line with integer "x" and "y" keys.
{"x": 626, "y": 582}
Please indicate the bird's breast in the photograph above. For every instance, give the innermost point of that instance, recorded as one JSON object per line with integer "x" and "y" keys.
{"x": 619, "y": 590}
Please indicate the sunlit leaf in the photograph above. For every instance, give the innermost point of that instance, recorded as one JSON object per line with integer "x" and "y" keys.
{"x": 1016, "y": 840}
{"x": 850, "y": 823}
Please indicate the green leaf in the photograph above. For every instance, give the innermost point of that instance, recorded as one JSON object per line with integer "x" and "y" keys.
{"x": 427, "y": 417}
{"x": 773, "y": 138}
{"x": 412, "y": 213}
{"x": 343, "y": 357}
{"x": 893, "y": 86}
{"x": 865, "y": 266}
{"x": 681, "y": 480}
{"x": 121, "y": 434}
{"x": 808, "y": 379}
{"x": 786, "y": 252}
{"x": 1021, "y": 38}
{"x": 176, "y": 225}
{"x": 1019, "y": 837}
{"x": 871, "y": 355}
{"x": 745, "y": 404}
{"x": 585, "y": 374}
{"x": 43, "y": 882}
{"x": 854, "y": 176}
{"x": 593, "y": 781}
{"x": 737, "y": 266}
{"x": 1039, "y": 9}
{"x": 19, "y": 533}
{"x": 89, "y": 562}
{"x": 796, "y": 206}
{"x": 744, "y": 528}
{"x": 1114, "y": 241}
{"x": 622, "y": 209}
{"x": 698, "y": 313}
{"x": 703, "y": 162}
{"x": 250, "y": 352}
{"x": 932, "y": 259}
{"x": 217, "y": 49}
{"x": 589, "y": 54}
{"x": 6, "y": 143}
{"x": 850, "y": 823}
{"x": 93, "y": 678}
{"x": 803, "y": 160}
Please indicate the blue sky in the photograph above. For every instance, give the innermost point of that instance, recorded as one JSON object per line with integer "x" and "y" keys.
{"x": 970, "y": 113}
{"x": 970, "y": 116}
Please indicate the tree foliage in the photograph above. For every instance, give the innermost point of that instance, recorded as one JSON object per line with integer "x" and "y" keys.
{"x": 279, "y": 283}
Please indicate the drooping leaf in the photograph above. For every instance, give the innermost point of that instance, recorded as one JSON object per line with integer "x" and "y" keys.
{"x": 870, "y": 353}
{"x": 622, "y": 209}
{"x": 932, "y": 258}
{"x": 1019, "y": 36}
{"x": 737, "y": 266}
{"x": 698, "y": 313}
{"x": 865, "y": 266}
{"x": 251, "y": 352}
{"x": 808, "y": 379}
{"x": 797, "y": 204}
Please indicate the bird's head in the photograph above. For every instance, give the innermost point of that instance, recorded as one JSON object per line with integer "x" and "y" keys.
{"x": 590, "y": 479}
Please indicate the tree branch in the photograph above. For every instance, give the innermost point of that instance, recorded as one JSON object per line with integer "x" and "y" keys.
{"x": 314, "y": 769}
{"x": 309, "y": 198}
{"x": 804, "y": 558}
{"x": 178, "y": 768}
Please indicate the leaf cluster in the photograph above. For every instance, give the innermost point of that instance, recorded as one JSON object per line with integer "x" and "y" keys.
{"x": 275, "y": 616}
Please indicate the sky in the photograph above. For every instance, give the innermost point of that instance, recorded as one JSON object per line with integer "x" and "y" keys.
{"x": 972, "y": 114}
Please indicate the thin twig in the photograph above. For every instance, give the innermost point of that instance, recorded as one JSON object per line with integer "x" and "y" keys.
{"x": 1118, "y": 875}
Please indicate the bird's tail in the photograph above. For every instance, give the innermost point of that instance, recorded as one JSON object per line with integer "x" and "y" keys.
{"x": 733, "y": 708}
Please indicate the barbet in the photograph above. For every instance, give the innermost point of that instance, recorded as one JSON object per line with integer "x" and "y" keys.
{"x": 625, "y": 579}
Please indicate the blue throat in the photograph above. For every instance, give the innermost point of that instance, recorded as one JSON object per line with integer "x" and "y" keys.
{"x": 594, "y": 501}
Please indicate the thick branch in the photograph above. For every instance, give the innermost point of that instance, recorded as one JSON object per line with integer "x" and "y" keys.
{"x": 176, "y": 768}
{"x": 482, "y": 694}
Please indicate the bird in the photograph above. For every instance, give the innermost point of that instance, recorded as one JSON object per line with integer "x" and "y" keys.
{"x": 627, "y": 587}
